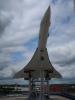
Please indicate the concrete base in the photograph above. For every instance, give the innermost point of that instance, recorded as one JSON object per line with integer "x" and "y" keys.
{"x": 38, "y": 97}
{"x": 32, "y": 98}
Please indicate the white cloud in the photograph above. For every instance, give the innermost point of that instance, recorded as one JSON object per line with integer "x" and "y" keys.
{"x": 25, "y": 17}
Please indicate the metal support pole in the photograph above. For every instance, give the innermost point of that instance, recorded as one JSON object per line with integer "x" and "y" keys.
{"x": 43, "y": 81}
{"x": 41, "y": 85}
{"x": 47, "y": 87}
{"x": 30, "y": 87}
{"x": 47, "y": 80}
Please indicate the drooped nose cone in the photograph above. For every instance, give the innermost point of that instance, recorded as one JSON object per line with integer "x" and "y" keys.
{"x": 47, "y": 14}
{"x": 46, "y": 18}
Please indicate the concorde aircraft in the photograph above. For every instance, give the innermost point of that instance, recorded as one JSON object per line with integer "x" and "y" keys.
{"x": 40, "y": 64}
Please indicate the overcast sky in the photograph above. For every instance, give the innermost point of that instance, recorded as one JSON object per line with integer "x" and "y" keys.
{"x": 19, "y": 31}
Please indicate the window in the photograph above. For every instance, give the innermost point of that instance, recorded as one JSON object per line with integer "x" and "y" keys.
{"x": 42, "y": 58}
{"x": 41, "y": 50}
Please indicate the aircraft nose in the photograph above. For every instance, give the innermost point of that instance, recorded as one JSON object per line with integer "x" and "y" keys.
{"x": 46, "y": 18}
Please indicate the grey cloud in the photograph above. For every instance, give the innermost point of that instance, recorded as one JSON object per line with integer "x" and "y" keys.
{"x": 4, "y": 21}
{"x": 63, "y": 53}
{"x": 12, "y": 69}
{"x": 66, "y": 62}
{"x": 3, "y": 25}
{"x": 3, "y": 65}
{"x": 63, "y": 58}
{"x": 18, "y": 25}
{"x": 24, "y": 26}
